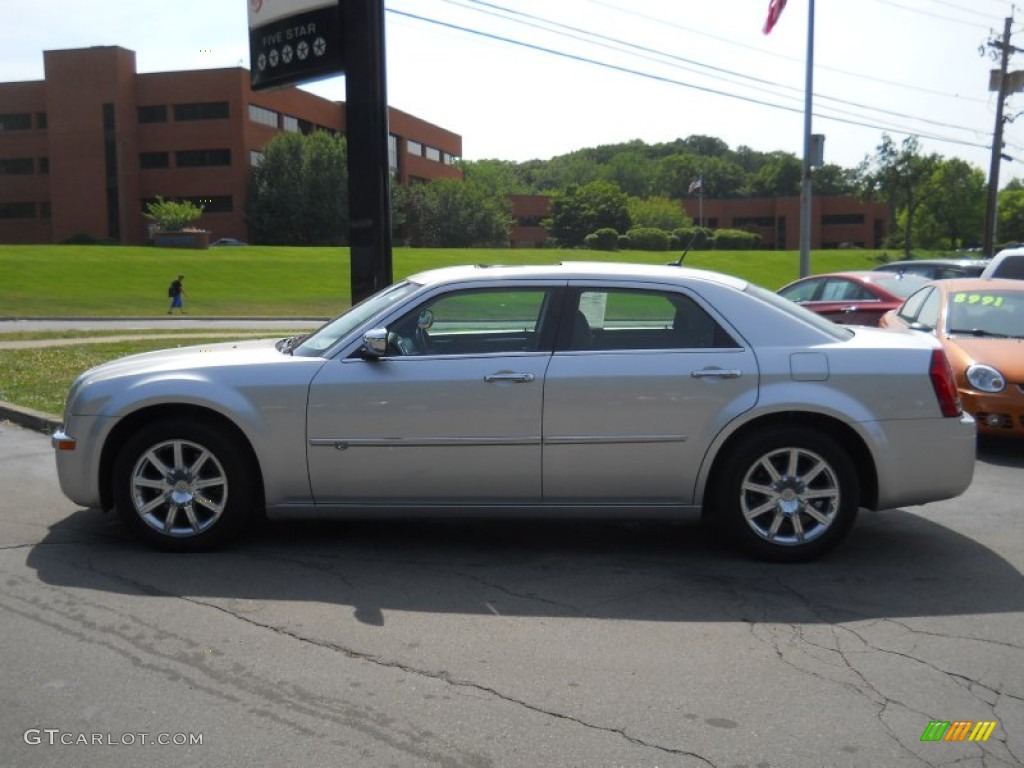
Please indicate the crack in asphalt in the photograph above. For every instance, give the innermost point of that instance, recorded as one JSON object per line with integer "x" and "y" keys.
{"x": 448, "y": 679}
{"x": 441, "y": 676}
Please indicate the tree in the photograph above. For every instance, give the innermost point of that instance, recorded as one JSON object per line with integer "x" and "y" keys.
{"x": 452, "y": 213}
{"x": 779, "y": 176}
{"x": 1011, "y": 214}
{"x": 173, "y": 215}
{"x": 658, "y": 213}
{"x": 298, "y": 194}
{"x": 498, "y": 177}
{"x": 579, "y": 210}
{"x": 956, "y": 202}
{"x": 902, "y": 176}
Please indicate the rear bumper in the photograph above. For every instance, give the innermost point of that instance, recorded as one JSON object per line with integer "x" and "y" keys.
{"x": 925, "y": 460}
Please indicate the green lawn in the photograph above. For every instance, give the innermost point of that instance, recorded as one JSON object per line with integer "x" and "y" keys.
{"x": 252, "y": 281}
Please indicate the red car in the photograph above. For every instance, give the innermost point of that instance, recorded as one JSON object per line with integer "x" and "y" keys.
{"x": 853, "y": 298}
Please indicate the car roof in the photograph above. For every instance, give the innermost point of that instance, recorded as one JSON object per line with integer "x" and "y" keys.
{"x": 575, "y": 270}
{"x": 952, "y": 284}
{"x": 958, "y": 262}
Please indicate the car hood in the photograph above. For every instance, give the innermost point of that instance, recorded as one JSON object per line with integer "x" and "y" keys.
{"x": 1005, "y": 354}
{"x": 230, "y": 353}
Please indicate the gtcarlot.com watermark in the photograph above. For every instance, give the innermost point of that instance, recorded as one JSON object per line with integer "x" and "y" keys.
{"x": 57, "y": 737}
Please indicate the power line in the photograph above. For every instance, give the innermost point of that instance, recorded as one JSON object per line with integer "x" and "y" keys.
{"x": 930, "y": 15}
{"x": 618, "y": 44}
{"x": 766, "y": 52}
{"x": 667, "y": 80}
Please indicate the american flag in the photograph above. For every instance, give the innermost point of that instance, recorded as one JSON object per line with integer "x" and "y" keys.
{"x": 695, "y": 185}
{"x": 774, "y": 11}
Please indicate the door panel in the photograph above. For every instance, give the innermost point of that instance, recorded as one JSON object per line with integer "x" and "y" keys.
{"x": 427, "y": 429}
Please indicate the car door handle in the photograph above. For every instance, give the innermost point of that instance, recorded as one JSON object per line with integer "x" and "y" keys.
{"x": 847, "y": 310}
{"x": 516, "y": 377}
{"x": 719, "y": 373}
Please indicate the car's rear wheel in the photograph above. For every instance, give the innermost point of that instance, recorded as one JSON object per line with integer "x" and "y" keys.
{"x": 183, "y": 486}
{"x": 788, "y": 494}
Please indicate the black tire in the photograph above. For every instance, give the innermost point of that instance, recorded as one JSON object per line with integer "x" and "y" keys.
{"x": 183, "y": 486}
{"x": 787, "y": 495}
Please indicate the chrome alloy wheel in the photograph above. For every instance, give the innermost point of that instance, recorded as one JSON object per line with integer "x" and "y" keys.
{"x": 178, "y": 488}
{"x": 790, "y": 496}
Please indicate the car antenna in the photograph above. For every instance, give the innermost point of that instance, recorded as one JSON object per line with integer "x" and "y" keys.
{"x": 679, "y": 262}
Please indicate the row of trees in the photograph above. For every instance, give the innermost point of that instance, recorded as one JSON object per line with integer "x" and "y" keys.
{"x": 299, "y": 192}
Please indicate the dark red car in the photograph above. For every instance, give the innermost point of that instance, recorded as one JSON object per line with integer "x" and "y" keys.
{"x": 853, "y": 298}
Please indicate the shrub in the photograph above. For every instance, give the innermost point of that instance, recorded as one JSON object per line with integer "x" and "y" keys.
{"x": 694, "y": 238}
{"x": 625, "y": 243}
{"x": 604, "y": 239}
{"x": 648, "y": 239}
{"x": 736, "y": 240}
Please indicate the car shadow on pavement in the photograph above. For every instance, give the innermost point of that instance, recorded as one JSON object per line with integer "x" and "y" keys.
{"x": 895, "y": 564}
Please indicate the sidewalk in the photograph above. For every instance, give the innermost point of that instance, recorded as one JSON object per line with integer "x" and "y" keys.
{"x": 191, "y": 327}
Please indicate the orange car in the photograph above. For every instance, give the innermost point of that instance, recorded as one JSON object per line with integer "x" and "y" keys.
{"x": 980, "y": 323}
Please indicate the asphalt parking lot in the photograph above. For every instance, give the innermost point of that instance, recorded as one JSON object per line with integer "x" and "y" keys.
{"x": 508, "y": 644}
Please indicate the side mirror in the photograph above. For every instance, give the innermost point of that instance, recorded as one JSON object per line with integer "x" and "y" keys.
{"x": 375, "y": 343}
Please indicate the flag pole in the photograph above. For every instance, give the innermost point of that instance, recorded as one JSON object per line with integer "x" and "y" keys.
{"x": 806, "y": 199}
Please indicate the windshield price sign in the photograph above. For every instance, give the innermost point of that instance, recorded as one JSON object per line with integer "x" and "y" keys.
{"x": 294, "y": 41}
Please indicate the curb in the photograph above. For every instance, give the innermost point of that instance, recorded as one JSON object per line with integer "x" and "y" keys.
{"x": 29, "y": 418}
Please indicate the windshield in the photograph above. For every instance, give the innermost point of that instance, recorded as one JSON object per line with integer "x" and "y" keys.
{"x": 328, "y": 335}
{"x": 986, "y": 313}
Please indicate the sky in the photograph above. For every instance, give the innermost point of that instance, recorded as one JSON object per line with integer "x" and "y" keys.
{"x": 531, "y": 79}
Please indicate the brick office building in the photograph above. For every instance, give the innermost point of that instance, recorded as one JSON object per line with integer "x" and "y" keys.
{"x": 85, "y": 149}
{"x": 835, "y": 221}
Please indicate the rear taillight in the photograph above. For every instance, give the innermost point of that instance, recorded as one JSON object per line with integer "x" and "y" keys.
{"x": 944, "y": 384}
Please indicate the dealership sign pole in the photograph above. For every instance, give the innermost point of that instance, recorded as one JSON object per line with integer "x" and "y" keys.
{"x": 298, "y": 41}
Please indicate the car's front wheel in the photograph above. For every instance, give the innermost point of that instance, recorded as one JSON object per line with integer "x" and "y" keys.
{"x": 183, "y": 486}
{"x": 788, "y": 494}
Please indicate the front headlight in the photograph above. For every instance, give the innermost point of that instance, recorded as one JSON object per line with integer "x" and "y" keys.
{"x": 986, "y": 378}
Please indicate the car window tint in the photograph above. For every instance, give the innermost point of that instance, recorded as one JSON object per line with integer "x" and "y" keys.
{"x": 473, "y": 322}
{"x": 838, "y": 289}
{"x": 908, "y": 312}
{"x": 1010, "y": 267}
{"x": 929, "y": 314}
{"x": 803, "y": 291}
{"x": 634, "y": 319}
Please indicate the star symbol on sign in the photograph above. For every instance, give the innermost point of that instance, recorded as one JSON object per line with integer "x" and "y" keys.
{"x": 273, "y": 57}
{"x": 286, "y": 54}
{"x": 319, "y": 46}
{"x": 302, "y": 50}
{"x": 261, "y": 62}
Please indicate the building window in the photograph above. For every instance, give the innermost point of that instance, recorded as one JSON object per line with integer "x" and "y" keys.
{"x": 450, "y": 159}
{"x": 255, "y": 158}
{"x": 155, "y": 113}
{"x": 414, "y": 148}
{"x": 44, "y": 165}
{"x": 212, "y": 203}
{"x": 196, "y": 158}
{"x": 41, "y": 121}
{"x": 842, "y": 218}
{"x": 17, "y": 210}
{"x": 753, "y": 221}
{"x": 434, "y": 154}
{"x": 263, "y": 116}
{"x": 290, "y": 124}
{"x": 151, "y": 160}
{"x": 21, "y": 121}
{"x": 204, "y": 110}
{"x": 17, "y": 166}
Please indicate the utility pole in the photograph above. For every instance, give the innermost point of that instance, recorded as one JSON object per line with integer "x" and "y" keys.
{"x": 806, "y": 192}
{"x": 988, "y": 242}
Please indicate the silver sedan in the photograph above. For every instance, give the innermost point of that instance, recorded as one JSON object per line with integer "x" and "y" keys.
{"x": 570, "y": 390}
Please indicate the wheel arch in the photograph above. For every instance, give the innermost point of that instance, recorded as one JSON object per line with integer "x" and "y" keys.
{"x": 853, "y": 443}
{"x": 177, "y": 412}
